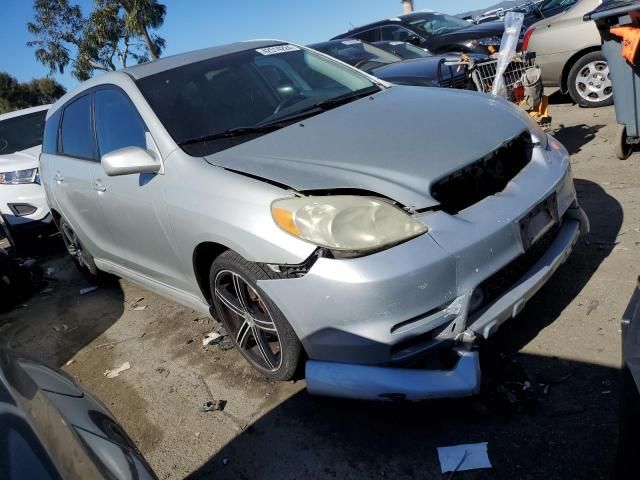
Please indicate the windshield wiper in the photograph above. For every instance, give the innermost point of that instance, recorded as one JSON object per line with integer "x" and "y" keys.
{"x": 323, "y": 106}
{"x": 232, "y": 132}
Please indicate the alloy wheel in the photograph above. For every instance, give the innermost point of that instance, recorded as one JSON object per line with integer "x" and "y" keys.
{"x": 248, "y": 320}
{"x": 593, "y": 82}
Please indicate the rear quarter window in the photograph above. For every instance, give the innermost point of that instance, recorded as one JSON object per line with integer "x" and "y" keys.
{"x": 50, "y": 139}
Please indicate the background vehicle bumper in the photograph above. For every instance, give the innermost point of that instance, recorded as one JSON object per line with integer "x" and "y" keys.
{"x": 21, "y": 204}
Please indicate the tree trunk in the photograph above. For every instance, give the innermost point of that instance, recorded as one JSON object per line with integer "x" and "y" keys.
{"x": 407, "y": 6}
{"x": 150, "y": 46}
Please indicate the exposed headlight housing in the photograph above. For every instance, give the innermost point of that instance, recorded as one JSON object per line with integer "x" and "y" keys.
{"x": 19, "y": 177}
{"x": 345, "y": 223}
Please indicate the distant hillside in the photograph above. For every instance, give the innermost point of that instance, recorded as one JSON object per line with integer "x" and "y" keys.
{"x": 506, "y": 4}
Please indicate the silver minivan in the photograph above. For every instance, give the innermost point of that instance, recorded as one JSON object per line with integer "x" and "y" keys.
{"x": 328, "y": 219}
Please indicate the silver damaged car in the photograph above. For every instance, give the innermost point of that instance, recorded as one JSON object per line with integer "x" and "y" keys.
{"x": 368, "y": 232}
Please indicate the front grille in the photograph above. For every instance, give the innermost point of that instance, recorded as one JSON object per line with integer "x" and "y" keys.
{"x": 504, "y": 279}
{"x": 483, "y": 178}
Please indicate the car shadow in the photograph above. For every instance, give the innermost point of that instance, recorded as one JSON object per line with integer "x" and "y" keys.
{"x": 561, "y": 427}
{"x": 576, "y": 136}
{"x": 543, "y": 417}
{"x": 57, "y": 321}
{"x": 559, "y": 98}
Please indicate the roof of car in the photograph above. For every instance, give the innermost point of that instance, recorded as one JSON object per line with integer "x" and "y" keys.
{"x": 24, "y": 111}
{"x": 166, "y": 63}
{"x": 400, "y": 18}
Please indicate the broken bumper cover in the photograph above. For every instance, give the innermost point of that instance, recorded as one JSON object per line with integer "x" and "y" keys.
{"x": 367, "y": 382}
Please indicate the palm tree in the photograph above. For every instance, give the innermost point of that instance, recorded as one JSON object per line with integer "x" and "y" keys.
{"x": 407, "y": 6}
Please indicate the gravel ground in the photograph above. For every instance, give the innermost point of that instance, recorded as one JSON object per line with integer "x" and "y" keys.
{"x": 566, "y": 344}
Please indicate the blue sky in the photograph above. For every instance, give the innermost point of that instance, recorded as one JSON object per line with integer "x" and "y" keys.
{"x": 192, "y": 24}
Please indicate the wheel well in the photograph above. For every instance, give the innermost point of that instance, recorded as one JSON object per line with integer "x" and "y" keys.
{"x": 203, "y": 256}
{"x": 564, "y": 84}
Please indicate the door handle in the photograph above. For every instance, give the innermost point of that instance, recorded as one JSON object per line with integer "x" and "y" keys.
{"x": 58, "y": 177}
{"x": 99, "y": 186}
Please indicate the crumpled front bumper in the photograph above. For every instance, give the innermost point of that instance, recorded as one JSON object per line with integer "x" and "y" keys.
{"x": 367, "y": 382}
{"x": 365, "y": 321}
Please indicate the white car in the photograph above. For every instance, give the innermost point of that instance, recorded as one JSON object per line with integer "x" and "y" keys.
{"x": 24, "y": 212}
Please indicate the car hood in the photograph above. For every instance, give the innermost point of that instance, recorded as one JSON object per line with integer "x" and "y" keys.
{"x": 395, "y": 143}
{"x": 20, "y": 160}
{"x": 425, "y": 69}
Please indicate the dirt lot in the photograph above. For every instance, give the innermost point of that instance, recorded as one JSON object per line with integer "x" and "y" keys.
{"x": 566, "y": 343}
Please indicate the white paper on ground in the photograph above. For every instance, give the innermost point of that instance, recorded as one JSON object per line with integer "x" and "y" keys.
{"x": 464, "y": 457}
{"x": 117, "y": 371}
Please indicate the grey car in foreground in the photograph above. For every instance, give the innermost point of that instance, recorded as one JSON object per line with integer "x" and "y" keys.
{"x": 321, "y": 214}
{"x": 53, "y": 429}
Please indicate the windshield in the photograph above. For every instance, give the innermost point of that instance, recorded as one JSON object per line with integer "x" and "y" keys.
{"x": 549, "y": 5}
{"x": 437, "y": 23}
{"x": 404, "y": 50}
{"x": 244, "y": 90}
{"x": 360, "y": 54}
{"x": 21, "y": 133}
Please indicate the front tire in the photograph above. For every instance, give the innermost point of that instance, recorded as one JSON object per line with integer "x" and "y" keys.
{"x": 589, "y": 82}
{"x": 256, "y": 325}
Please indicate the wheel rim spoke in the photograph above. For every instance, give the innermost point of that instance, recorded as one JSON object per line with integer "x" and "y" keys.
{"x": 229, "y": 303}
{"x": 265, "y": 350}
{"x": 248, "y": 320}
{"x": 243, "y": 334}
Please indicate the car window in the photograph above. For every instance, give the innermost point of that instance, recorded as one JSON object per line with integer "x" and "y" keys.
{"x": 50, "y": 139}
{"x": 395, "y": 32}
{"x": 433, "y": 23}
{"x": 118, "y": 123}
{"x": 245, "y": 89}
{"x": 21, "y": 133}
{"x": 77, "y": 138}
{"x": 372, "y": 35}
{"x": 357, "y": 53}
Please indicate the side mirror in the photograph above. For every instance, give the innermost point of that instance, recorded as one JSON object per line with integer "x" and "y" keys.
{"x": 129, "y": 160}
{"x": 414, "y": 40}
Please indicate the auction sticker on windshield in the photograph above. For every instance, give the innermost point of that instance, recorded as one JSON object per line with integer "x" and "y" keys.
{"x": 277, "y": 49}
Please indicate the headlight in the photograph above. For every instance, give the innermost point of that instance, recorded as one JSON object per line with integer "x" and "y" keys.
{"x": 19, "y": 177}
{"x": 345, "y": 223}
{"x": 493, "y": 41}
{"x": 538, "y": 135}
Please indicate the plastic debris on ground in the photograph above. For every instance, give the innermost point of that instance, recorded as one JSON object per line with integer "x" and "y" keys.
{"x": 460, "y": 458}
{"x": 213, "y": 406}
{"x": 84, "y": 291}
{"x": 213, "y": 337}
{"x": 117, "y": 371}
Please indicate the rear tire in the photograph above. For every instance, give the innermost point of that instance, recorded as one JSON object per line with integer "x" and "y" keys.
{"x": 82, "y": 258}
{"x": 589, "y": 83}
{"x": 255, "y": 324}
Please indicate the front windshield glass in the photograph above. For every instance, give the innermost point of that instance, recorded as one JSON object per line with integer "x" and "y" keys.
{"x": 437, "y": 23}
{"x": 21, "y": 133}
{"x": 404, "y": 50}
{"x": 246, "y": 90}
{"x": 360, "y": 54}
{"x": 548, "y": 5}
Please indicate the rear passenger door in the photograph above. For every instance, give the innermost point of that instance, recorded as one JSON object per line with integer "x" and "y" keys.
{"x": 132, "y": 206}
{"x": 71, "y": 171}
